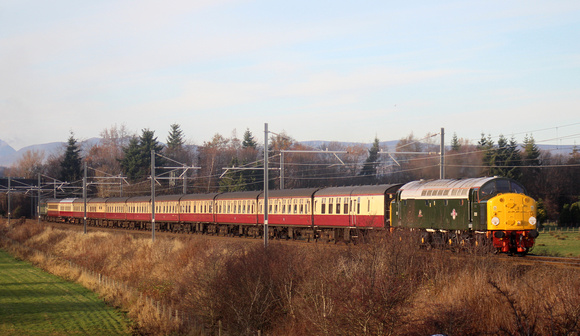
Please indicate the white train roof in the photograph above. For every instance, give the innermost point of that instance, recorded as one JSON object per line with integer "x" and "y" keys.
{"x": 448, "y": 189}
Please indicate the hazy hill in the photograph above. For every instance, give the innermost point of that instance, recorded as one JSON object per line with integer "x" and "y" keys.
{"x": 8, "y": 155}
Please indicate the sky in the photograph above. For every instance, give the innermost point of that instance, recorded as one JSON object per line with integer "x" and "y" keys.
{"x": 316, "y": 70}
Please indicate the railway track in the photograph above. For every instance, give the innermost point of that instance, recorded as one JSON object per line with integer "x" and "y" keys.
{"x": 531, "y": 259}
{"x": 557, "y": 261}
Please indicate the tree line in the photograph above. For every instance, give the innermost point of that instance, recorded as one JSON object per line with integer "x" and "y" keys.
{"x": 121, "y": 163}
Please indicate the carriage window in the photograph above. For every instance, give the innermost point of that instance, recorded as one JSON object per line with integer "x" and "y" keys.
{"x": 330, "y": 201}
{"x": 345, "y": 208}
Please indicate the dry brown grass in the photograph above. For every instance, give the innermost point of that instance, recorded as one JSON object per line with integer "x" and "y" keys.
{"x": 385, "y": 287}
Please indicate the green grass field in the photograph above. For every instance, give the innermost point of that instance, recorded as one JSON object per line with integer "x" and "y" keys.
{"x": 33, "y": 302}
{"x": 558, "y": 243}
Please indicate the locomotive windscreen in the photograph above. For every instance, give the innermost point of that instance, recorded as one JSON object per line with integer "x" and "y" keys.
{"x": 500, "y": 186}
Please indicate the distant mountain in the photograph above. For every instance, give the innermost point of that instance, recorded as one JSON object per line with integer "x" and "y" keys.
{"x": 5, "y": 149}
{"x": 320, "y": 144}
{"x": 8, "y": 155}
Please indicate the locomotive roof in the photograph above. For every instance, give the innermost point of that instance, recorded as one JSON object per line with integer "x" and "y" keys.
{"x": 449, "y": 189}
{"x": 379, "y": 189}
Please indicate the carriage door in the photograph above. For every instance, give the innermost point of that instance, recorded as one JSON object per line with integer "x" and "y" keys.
{"x": 354, "y": 210}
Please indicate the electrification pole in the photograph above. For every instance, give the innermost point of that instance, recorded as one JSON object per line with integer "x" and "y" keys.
{"x": 38, "y": 205}
{"x": 442, "y": 157}
{"x": 85, "y": 196}
{"x": 9, "y": 200}
{"x": 281, "y": 170}
{"x": 266, "y": 185}
{"x": 152, "y": 195}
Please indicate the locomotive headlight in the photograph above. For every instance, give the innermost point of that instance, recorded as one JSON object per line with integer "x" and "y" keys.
{"x": 495, "y": 221}
{"x": 532, "y": 220}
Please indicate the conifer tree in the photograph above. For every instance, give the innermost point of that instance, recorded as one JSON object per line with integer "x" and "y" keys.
{"x": 506, "y": 159}
{"x": 136, "y": 163}
{"x": 175, "y": 140}
{"x": 531, "y": 152}
{"x": 531, "y": 172}
{"x": 131, "y": 162}
{"x": 71, "y": 165}
{"x": 249, "y": 141}
{"x": 147, "y": 143}
{"x": 369, "y": 169}
{"x": 486, "y": 145}
{"x": 455, "y": 145}
{"x": 233, "y": 180}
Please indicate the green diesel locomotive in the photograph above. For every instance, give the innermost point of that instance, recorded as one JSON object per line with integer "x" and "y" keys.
{"x": 495, "y": 210}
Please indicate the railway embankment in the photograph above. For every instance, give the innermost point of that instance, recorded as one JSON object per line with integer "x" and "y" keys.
{"x": 192, "y": 284}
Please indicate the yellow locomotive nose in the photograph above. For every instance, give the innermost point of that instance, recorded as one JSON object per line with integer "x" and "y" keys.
{"x": 511, "y": 212}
